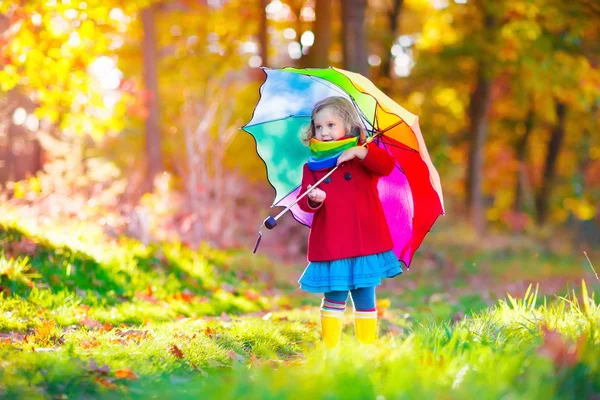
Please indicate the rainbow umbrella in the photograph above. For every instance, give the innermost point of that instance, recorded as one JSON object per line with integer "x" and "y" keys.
{"x": 411, "y": 195}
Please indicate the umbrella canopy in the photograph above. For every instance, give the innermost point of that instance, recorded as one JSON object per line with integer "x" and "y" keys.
{"x": 411, "y": 195}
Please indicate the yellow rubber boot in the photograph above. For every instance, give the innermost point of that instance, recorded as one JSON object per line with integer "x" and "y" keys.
{"x": 365, "y": 326}
{"x": 331, "y": 327}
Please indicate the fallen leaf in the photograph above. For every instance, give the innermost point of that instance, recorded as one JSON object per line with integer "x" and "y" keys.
{"x": 251, "y": 294}
{"x": 93, "y": 367}
{"x": 125, "y": 373}
{"x": 176, "y": 351}
{"x": 43, "y": 332}
{"x": 210, "y": 332}
{"x": 133, "y": 334}
{"x": 106, "y": 328}
{"x": 106, "y": 383}
{"x": 85, "y": 308}
{"x": 253, "y": 360}
{"x": 90, "y": 323}
{"x": 562, "y": 353}
{"x": 89, "y": 344}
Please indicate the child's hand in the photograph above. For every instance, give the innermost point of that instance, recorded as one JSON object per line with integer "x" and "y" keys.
{"x": 316, "y": 195}
{"x": 359, "y": 152}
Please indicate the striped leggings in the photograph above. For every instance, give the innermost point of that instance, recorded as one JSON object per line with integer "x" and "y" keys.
{"x": 363, "y": 299}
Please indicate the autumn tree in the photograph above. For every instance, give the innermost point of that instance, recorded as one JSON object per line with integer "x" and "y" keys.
{"x": 353, "y": 36}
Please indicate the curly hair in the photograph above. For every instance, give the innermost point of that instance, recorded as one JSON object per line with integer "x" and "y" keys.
{"x": 344, "y": 109}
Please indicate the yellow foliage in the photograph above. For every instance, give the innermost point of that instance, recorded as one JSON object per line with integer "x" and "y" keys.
{"x": 581, "y": 208}
{"x": 493, "y": 214}
{"x": 437, "y": 32}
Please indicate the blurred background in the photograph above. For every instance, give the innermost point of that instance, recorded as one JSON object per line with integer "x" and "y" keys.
{"x": 126, "y": 114}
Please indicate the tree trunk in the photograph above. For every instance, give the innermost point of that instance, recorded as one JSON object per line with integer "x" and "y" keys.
{"x": 556, "y": 140}
{"x": 318, "y": 57}
{"x": 353, "y": 36}
{"x": 263, "y": 36}
{"x": 386, "y": 69}
{"x": 11, "y": 159}
{"x": 521, "y": 151}
{"x": 153, "y": 150}
{"x": 479, "y": 104}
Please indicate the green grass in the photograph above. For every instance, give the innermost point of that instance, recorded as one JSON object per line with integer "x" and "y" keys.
{"x": 87, "y": 316}
{"x": 511, "y": 350}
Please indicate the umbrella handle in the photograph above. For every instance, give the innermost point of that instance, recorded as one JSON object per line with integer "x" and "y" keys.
{"x": 271, "y": 222}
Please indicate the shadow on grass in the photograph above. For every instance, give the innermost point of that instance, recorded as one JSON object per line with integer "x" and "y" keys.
{"x": 61, "y": 268}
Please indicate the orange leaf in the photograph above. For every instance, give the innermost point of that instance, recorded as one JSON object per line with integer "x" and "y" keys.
{"x": 187, "y": 296}
{"x": 125, "y": 373}
{"x": 107, "y": 327}
{"x": 88, "y": 344}
{"x": 208, "y": 331}
{"x": 43, "y": 332}
{"x": 254, "y": 360}
{"x": 251, "y": 295}
{"x": 176, "y": 351}
{"x": 106, "y": 383}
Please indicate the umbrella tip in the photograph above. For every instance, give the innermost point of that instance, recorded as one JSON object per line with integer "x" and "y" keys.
{"x": 258, "y": 239}
{"x": 270, "y": 222}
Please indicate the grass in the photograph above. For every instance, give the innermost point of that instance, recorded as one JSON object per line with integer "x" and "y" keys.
{"x": 86, "y": 316}
{"x": 511, "y": 350}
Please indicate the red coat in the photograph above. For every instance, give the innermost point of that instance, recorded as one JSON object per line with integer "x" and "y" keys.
{"x": 350, "y": 222}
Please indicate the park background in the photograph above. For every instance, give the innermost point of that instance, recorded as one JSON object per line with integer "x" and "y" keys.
{"x": 131, "y": 199}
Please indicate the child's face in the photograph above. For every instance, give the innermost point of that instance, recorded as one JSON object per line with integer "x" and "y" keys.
{"x": 329, "y": 126}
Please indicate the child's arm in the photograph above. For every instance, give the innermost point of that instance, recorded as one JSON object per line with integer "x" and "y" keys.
{"x": 305, "y": 203}
{"x": 378, "y": 160}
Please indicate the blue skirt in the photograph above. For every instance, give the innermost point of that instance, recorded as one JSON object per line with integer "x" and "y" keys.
{"x": 349, "y": 273}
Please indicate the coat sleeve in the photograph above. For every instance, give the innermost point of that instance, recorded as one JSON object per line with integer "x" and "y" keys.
{"x": 308, "y": 178}
{"x": 378, "y": 160}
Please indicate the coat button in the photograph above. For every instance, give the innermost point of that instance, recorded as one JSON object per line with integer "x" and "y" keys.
{"x": 327, "y": 180}
{"x": 347, "y": 176}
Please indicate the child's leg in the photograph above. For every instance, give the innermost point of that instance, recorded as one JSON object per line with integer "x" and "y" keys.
{"x": 364, "y": 299}
{"x": 335, "y": 300}
{"x": 365, "y": 314}
{"x": 332, "y": 314}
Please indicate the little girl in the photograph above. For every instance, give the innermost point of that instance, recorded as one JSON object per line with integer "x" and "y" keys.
{"x": 349, "y": 246}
